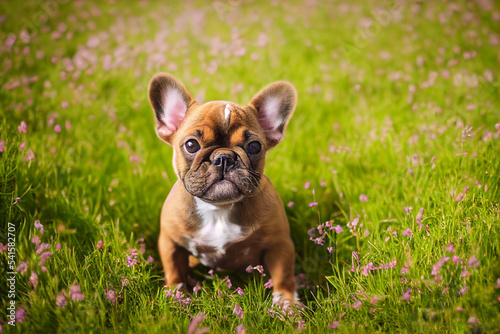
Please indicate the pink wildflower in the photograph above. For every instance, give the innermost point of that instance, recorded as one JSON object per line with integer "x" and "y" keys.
{"x": 406, "y": 295}
{"x": 407, "y": 232}
{"x": 75, "y": 292}
{"x": 58, "y": 247}
{"x": 125, "y": 282}
{"x": 100, "y": 244}
{"x": 239, "y": 291}
{"x": 45, "y": 256}
{"x": 111, "y": 296}
{"x": 238, "y": 310}
{"x": 193, "y": 326}
{"x": 22, "y": 127}
{"x": 408, "y": 209}
{"x": 313, "y": 204}
{"x": 291, "y": 204}
{"x": 450, "y": 248}
{"x": 338, "y": 229}
{"x": 419, "y": 217}
{"x": 39, "y": 226}
{"x": 150, "y": 259}
{"x": 462, "y": 291}
{"x": 2, "y": 146}
{"x": 334, "y": 324}
{"x": 363, "y": 198}
{"x": 241, "y": 329}
{"x": 473, "y": 320}
{"x": 269, "y": 284}
{"x": 33, "y": 279}
{"x": 35, "y": 240}
{"x": 57, "y": 128}
{"x": 22, "y": 146}
{"x": 20, "y": 315}
{"x": 23, "y": 268}
{"x": 197, "y": 287}
{"x": 473, "y": 262}
{"x": 307, "y": 185}
{"x": 41, "y": 248}
{"x": 367, "y": 268}
{"x": 61, "y": 299}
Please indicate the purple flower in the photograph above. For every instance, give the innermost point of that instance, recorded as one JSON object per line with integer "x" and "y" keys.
{"x": 367, "y": 268}
{"x": 35, "y": 240}
{"x": 241, "y": 329}
{"x": 408, "y": 209}
{"x": 363, "y": 198}
{"x": 338, "y": 229}
{"x": 23, "y": 268}
{"x": 357, "y": 305}
{"x": 22, "y": 127}
{"x": 58, "y": 247}
{"x": 57, "y": 128}
{"x": 407, "y": 232}
{"x": 45, "y": 256}
{"x": 462, "y": 291}
{"x": 2, "y": 146}
{"x": 17, "y": 200}
{"x": 419, "y": 217}
{"x": 193, "y": 326}
{"x": 238, "y": 291}
{"x": 300, "y": 325}
{"x": 238, "y": 311}
{"x": 75, "y": 292}
{"x": 100, "y": 244}
{"x": 307, "y": 185}
{"x": 334, "y": 324}
{"x": 228, "y": 282}
{"x": 131, "y": 261}
{"x": 41, "y": 248}
{"x": 269, "y": 284}
{"x": 473, "y": 262}
{"x": 456, "y": 259}
{"x": 291, "y": 204}
{"x": 313, "y": 204}
{"x": 151, "y": 259}
{"x": 39, "y": 226}
{"x": 197, "y": 287}
{"x": 450, "y": 248}
{"x": 111, "y": 296}
{"x": 20, "y": 315}
{"x": 473, "y": 320}
{"x": 33, "y": 279}
{"x": 406, "y": 295}
{"x": 61, "y": 299}
{"x": 125, "y": 282}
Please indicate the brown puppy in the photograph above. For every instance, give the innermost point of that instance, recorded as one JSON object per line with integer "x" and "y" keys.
{"x": 223, "y": 210}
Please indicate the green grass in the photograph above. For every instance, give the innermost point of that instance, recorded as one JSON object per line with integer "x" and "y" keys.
{"x": 357, "y": 131}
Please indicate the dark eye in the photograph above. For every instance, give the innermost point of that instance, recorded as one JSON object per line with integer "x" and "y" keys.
{"x": 192, "y": 146}
{"x": 254, "y": 147}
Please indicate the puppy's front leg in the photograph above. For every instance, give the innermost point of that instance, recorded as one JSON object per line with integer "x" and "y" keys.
{"x": 175, "y": 260}
{"x": 280, "y": 261}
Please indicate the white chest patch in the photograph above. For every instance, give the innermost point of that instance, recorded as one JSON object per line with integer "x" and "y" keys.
{"x": 217, "y": 232}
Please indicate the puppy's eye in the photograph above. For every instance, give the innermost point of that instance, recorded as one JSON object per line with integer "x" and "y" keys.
{"x": 254, "y": 147}
{"x": 192, "y": 146}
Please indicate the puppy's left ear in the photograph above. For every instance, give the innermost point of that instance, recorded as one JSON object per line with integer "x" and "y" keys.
{"x": 170, "y": 101}
{"x": 275, "y": 105}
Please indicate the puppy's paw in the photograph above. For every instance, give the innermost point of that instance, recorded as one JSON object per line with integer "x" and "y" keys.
{"x": 285, "y": 299}
{"x": 175, "y": 287}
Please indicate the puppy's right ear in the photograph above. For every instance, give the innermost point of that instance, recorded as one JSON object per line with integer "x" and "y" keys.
{"x": 170, "y": 101}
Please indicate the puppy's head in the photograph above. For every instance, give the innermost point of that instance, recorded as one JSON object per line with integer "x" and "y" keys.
{"x": 219, "y": 146}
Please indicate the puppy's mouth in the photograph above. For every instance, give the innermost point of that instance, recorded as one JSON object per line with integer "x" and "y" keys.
{"x": 222, "y": 192}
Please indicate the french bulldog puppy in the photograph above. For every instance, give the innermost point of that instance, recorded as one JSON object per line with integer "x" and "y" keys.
{"x": 223, "y": 210}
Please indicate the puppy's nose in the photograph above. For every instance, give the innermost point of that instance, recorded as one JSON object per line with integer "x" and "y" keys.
{"x": 224, "y": 161}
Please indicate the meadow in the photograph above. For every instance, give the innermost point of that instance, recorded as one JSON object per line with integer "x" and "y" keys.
{"x": 389, "y": 169}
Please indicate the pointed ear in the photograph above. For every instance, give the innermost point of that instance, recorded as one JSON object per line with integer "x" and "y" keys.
{"x": 275, "y": 105}
{"x": 170, "y": 101}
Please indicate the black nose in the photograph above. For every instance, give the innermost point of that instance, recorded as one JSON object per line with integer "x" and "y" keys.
{"x": 224, "y": 161}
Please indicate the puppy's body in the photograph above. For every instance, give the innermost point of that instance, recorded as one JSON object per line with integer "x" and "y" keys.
{"x": 223, "y": 210}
